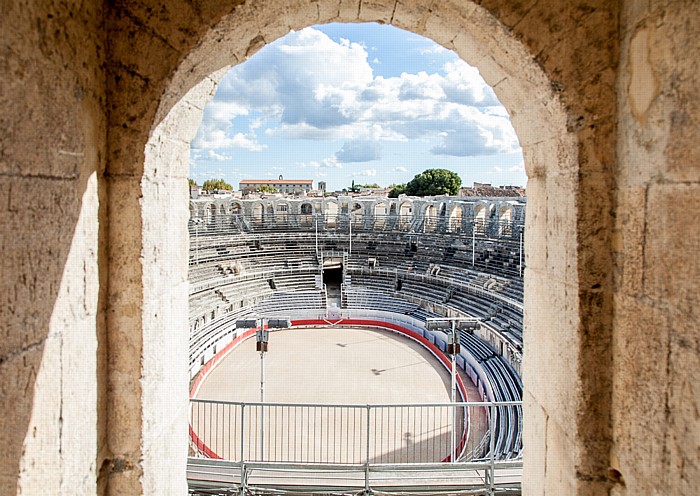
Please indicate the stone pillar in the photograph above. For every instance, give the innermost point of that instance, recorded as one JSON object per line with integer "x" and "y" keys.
{"x": 656, "y": 351}
{"x": 52, "y": 349}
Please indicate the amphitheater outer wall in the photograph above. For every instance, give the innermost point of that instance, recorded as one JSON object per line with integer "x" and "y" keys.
{"x": 87, "y": 301}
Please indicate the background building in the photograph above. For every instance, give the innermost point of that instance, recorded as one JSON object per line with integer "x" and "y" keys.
{"x": 287, "y": 186}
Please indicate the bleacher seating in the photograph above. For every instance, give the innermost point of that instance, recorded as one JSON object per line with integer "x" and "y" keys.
{"x": 238, "y": 270}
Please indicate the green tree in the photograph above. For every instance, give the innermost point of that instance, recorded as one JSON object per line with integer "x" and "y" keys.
{"x": 218, "y": 184}
{"x": 433, "y": 182}
{"x": 368, "y": 186}
{"x": 264, "y": 188}
{"x": 192, "y": 182}
{"x": 396, "y": 190}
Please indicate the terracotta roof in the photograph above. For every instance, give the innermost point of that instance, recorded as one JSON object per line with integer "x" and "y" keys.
{"x": 276, "y": 181}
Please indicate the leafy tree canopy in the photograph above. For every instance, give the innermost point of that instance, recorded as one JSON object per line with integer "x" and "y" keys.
{"x": 192, "y": 182}
{"x": 433, "y": 182}
{"x": 264, "y": 188}
{"x": 212, "y": 184}
{"x": 368, "y": 186}
{"x": 398, "y": 189}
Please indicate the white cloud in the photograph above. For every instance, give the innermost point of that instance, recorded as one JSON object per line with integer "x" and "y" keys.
{"x": 218, "y": 157}
{"x": 319, "y": 89}
{"x": 432, "y": 49}
{"x": 359, "y": 150}
{"x": 400, "y": 169}
{"x": 364, "y": 173}
{"x": 327, "y": 163}
{"x": 217, "y": 139}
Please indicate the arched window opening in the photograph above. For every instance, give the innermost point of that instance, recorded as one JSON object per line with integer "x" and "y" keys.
{"x": 356, "y": 215}
{"x": 331, "y": 214}
{"x": 480, "y": 219}
{"x": 405, "y": 215}
{"x": 505, "y": 220}
{"x": 307, "y": 212}
{"x": 380, "y": 215}
{"x": 430, "y": 219}
{"x": 406, "y": 221}
{"x": 456, "y": 219}
{"x": 258, "y": 213}
{"x": 282, "y": 214}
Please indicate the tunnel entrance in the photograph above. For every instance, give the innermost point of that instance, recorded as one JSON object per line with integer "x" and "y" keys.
{"x": 333, "y": 276}
{"x": 332, "y": 279}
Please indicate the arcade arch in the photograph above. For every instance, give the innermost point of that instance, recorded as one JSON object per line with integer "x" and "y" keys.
{"x": 430, "y": 219}
{"x": 405, "y": 215}
{"x": 281, "y": 213}
{"x": 543, "y": 127}
{"x": 380, "y": 215}
{"x": 480, "y": 218}
{"x": 505, "y": 219}
{"x": 258, "y": 213}
{"x": 356, "y": 215}
{"x": 331, "y": 213}
{"x": 455, "y": 222}
{"x": 307, "y": 213}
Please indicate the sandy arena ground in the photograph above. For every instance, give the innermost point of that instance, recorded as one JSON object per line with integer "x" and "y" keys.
{"x": 330, "y": 366}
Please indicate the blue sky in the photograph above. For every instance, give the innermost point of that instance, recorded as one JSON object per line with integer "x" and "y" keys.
{"x": 362, "y": 102}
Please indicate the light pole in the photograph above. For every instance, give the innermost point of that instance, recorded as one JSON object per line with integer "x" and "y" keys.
{"x": 453, "y": 324}
{"x": 520, "y": 252}
{"x": 196, "y": 223}
{"x": 473, "y": 241}
{"x": 316, "y": 231}
{"x": 262, "y": 331}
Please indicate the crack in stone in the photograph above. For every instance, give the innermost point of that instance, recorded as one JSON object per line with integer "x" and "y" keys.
{"x": 393, "y": 12}
{"x": 21, "y": 351}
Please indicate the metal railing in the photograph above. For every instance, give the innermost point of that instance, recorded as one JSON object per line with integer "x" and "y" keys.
{"x": 349, "y": 446}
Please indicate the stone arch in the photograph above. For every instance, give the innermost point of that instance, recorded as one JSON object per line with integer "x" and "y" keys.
{"x": 212, "y": 213}
{"x": 381, "y": 212}
{"x": 356, "y": 214}
{"x": 480, "y": 217}
{"x": 330, "y": 212}
{"x": 455, "y": 218}
{"x": 235, "y": 208}
{"x": 405, "y": 215}
{"x": 281, "y": 213}
{"x": 430, "y": 218}
{"x": 544, "y": 126}
{"x": 306, "y": 214}
{"x": 258, "y": 213}
{"x": 505, "y": 219}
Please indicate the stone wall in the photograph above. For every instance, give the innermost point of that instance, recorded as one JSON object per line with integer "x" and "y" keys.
{"x": 98, "y": 100}
{"x": 656, "y": 378}
{"x": 52, "y": 158}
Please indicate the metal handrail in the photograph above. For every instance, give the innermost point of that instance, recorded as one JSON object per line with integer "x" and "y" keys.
{"x": 360, "y": 405}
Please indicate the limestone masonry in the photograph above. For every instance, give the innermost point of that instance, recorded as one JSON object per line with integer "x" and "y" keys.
{"x": 99, "y": 103}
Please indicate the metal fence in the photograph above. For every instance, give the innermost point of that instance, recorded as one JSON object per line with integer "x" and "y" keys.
{"x": 231, "y": 440}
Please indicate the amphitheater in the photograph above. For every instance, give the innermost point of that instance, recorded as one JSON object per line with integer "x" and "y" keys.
{"x": 373, "y": 263}
{"x": 100, "y": 101}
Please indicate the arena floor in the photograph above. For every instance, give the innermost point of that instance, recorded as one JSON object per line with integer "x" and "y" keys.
{"x": 337, "y": 365}
{"x": 331, "y": 366}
